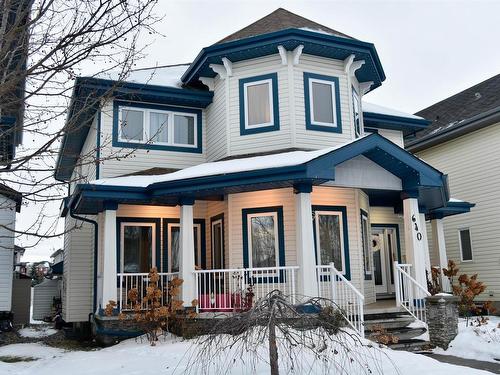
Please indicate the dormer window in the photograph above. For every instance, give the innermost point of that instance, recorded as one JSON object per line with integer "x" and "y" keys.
{"x": 157, "y": 127}
{"x": 259, "y": 104}
{"x": 356, "y": 110}
{"x": 322, "y": 103}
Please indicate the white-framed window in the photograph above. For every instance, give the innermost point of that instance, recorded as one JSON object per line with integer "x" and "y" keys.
{"x": 263, "y": 240}
{"x": 465, "y": 243}
{"x": 330, "y": 238}
{"x": 217, "y": 231}
{"x": 356, "y": 114}
{"x": 158, "y": 127}
{"x": 322, "y": 101}
{"x": 174, "y": 231}
{"x": 138, "y": 244}
{"x": 259, "y": 108}
{"x": 365, "y": 230}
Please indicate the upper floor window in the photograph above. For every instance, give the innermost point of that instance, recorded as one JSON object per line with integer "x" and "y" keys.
{"x": 157, "y": 127}
{"x": 322, "y": 103}
{"x": 259, "y": 104}
{"x": 356, "y": 110}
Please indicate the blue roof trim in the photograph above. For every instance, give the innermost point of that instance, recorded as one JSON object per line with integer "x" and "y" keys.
{"x": 451, "y": 208}
{"x": 315, "y": 43}
{"x": 416, "y": 175}
{"x": 88, "y": 87}
{"x": 381, "y": 121}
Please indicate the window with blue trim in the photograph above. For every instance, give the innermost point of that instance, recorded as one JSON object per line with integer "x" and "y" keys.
{"x": 322, "y": 103}
{"x": 173, "y": 236}
{"x": 138, "y": 244}
{"x": 365, "y": 242}
{"x": 152, "y": 126}
{"x": 259, "y": 110}
{"x": 356, "y": 114}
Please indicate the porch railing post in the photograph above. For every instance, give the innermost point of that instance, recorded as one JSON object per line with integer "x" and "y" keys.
{"x": 397, "y": 283}
{"x": 333, "y": 282}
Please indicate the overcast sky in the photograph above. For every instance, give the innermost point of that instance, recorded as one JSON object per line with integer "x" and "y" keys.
{"x": 429, "y": 49}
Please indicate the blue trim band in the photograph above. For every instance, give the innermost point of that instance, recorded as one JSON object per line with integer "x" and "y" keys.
{"x": 276, "y": 117}
{"x": 307, "y": 101}
{"x": 345, "y": 232}
{"x": 281, "y": 235}
{"x": 151, "y": 146}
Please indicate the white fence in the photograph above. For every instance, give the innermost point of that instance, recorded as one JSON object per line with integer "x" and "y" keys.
{"x": 334, "y": 286}
{"x": 226, "y": 290}
{"x": 409, "y": 293}
{"x": 140, "y": 281}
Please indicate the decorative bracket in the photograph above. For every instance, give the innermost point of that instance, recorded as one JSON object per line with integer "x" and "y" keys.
{"x": 364, "y": 87}
{"x": 297, "y": 52}
{"x": 219, "y": 69}
{"x": 283, "y": 55}
{"x": 348, "y": 62}
{"x": 228, "y": 65}
{"x": 209, "y": 82}
{"x": 355, "y": 66}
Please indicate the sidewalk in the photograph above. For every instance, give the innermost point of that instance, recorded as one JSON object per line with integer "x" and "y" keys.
{"x": 479, "y": 365}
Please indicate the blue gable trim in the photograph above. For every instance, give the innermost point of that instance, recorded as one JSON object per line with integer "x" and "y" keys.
{"x": 345, "y": 234}
{"x": 203, "y": 239}
{"x": 416, "y": 175}
{"x": 276, "y": 112}
{"x": 122, "y": 219}
{"x": 151, "y": 146}
{"x": 314, "y": 43}
{"x": 281, "y": 234}
{"x": 381, "y": 121}
{"x": 307, "y": 100}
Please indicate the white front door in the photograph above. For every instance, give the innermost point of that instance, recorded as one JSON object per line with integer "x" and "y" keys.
{"x": 384, "y": 248}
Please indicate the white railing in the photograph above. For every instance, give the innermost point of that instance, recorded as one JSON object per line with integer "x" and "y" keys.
{"x": 334, "y": 286}
{"x": 409, "y": 293}
{"x": 227, "y": 290}
{"x": 140, "y": 281}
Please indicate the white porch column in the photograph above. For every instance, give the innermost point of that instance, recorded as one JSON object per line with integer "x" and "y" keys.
{"x": 109, "y": 280}
{"x": 415, "y": 245}
{"x": 307, "y": 283}
{"x": 186, "y": 249}
{"x": 425, "y": 238}
{"x": 439, "y": 245}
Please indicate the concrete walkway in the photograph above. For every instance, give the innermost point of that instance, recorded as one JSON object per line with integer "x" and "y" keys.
{"x": 479, "y": 365}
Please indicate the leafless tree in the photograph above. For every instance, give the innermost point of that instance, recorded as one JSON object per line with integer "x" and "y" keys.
{"x": 308, "y": 339}
{"x": 44, "y": 46}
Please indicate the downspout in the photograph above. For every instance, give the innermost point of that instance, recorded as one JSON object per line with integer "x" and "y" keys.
{"x": 96, "y": 242}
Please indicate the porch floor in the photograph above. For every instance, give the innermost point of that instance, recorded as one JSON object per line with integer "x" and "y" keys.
{"x": 382, "y": 307}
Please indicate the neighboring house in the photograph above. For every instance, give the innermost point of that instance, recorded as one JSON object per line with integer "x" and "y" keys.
{"x": 463, "y": 141}
{"x": 57, "y": 262}
{"x": 258, "y": 160}
{"x": 10, "y": 203}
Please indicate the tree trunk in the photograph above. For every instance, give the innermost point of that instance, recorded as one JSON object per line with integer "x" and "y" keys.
{"x": 273, "y": 348}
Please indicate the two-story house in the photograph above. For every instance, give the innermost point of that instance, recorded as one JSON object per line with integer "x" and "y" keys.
{"x": 257, "y": 164}
{"x": 462, "y": 141}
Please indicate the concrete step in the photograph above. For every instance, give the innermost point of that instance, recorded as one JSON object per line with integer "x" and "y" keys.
{"x": 414, "y": 346}
{"x": 398, "y": 321}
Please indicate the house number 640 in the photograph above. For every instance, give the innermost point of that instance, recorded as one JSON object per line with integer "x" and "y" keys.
{"x": 419, "y": 235}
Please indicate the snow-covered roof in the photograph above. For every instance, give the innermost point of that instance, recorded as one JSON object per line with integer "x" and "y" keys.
{"x": 169, "y": 76}
{"x": 375, "y": 108}
{"x": 285, "y": 159}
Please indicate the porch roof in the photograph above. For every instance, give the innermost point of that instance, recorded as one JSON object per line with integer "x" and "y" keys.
{"x": 210, "y": 181}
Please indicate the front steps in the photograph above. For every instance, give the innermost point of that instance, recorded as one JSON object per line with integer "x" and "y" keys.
{"x": 399, "y": 324}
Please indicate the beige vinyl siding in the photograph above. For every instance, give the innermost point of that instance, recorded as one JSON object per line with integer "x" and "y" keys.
{"x": 394, "y": 136}
{"x": 78, "y": 270}
{"x": 216, "y": 123}
{"x": 472, "y": 164}
{"x": 7, "y": 219}
{"x": 313, "y": 139}
{"x": 85, "y": 170}
{"x": 386, "y": 215}
{"x": 117, "y": 161}
{"x": 267, "y": 141}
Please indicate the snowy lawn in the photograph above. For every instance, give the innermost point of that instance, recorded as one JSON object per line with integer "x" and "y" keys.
{"x": 173, "y": 356}
{"x": 481, "y": 343}
{"x": 37, "y": 332}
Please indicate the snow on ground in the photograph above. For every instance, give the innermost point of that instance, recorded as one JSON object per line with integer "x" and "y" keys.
{"x": 481, "y": 343}
{"x": 173, "y": 356}
{"x": 37, "y": 332}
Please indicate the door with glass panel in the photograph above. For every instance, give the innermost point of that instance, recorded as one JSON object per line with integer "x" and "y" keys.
{"x": 384, "y": 249}
{"x": 174, "y": 231}
{"x": 137, "y": 247}
{"x": 329, "y": 238}
{"x": 217, "y": 244}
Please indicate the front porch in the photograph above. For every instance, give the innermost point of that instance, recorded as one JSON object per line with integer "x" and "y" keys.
{"x": 327, "y": 223}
